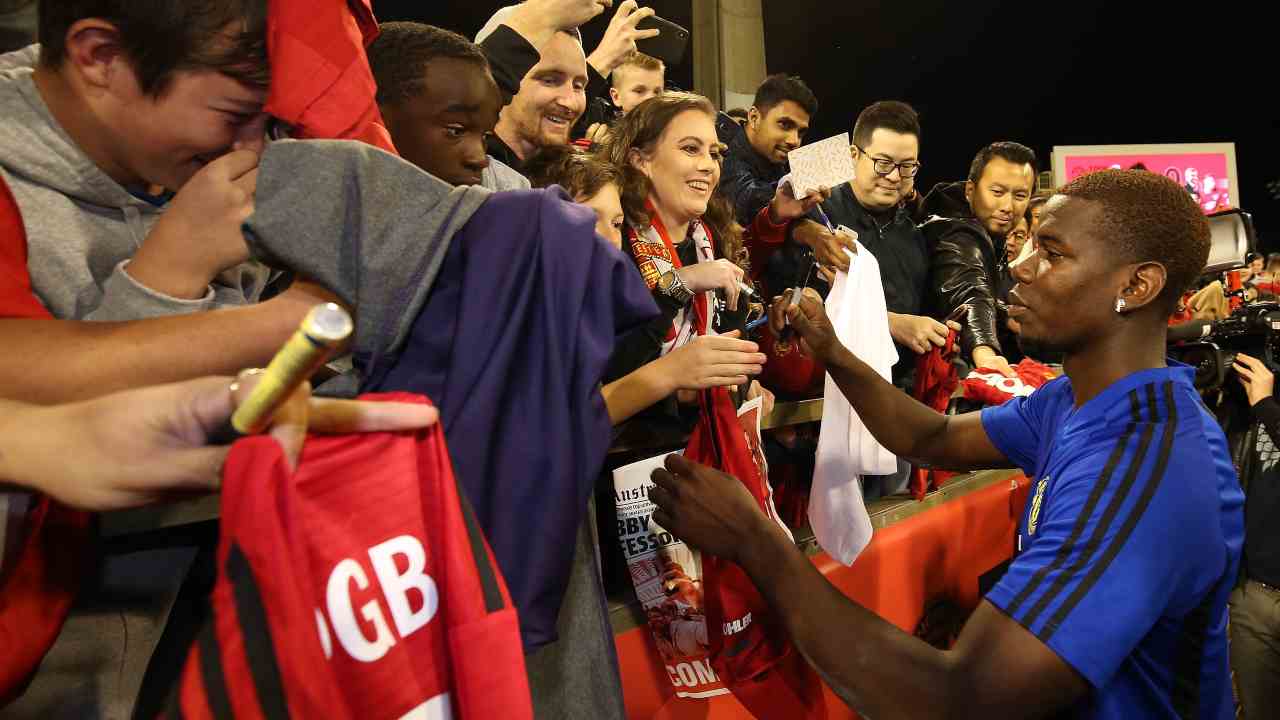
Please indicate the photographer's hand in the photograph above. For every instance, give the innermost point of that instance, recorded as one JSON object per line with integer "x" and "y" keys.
{"x": 1257, "y": 380}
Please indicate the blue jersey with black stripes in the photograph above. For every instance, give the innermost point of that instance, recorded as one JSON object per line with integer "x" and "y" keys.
{"x": 1129, "y": 543}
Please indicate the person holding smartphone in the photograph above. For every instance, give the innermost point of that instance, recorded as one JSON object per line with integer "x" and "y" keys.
{"x": 544, "y": 74}
{"x": 637, "y": 79}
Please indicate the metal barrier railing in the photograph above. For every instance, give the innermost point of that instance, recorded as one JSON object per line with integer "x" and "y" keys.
{"x": 187, "y": 512}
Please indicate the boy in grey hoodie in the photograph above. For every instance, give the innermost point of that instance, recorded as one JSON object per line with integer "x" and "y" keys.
{"x": 95, "y": 124}
{"x": 124, "y": 104}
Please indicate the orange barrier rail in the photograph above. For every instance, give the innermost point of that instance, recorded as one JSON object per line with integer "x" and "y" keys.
{"x": 937, "y": 554}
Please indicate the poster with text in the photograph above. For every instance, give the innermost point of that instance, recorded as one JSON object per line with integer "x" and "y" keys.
{"x": 667, "y": 575}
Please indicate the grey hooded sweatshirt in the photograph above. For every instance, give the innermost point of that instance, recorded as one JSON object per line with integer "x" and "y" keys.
{"x": 375, "y": 229}
{"x": 370, "y": 227}
{"x": 83, "y": 227}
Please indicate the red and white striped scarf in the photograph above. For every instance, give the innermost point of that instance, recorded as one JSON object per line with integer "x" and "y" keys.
{"x": 656, "y": 255}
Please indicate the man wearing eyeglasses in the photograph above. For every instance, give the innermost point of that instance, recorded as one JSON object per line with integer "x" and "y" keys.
{"x": 886, "y": 154}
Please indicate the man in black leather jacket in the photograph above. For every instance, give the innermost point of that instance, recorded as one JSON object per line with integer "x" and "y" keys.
{"x": 965, "y": 224}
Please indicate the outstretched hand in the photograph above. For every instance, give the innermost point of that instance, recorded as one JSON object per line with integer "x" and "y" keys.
{"x": 620, "y": 37}
{"x": 712, "y": 361}
{"x": 809, "y": 318}
{"x": 708, "y": 509}
{"x": 786, "y": 207}
{"x": 829, "y": 248}
{"x": 140, "y": 446}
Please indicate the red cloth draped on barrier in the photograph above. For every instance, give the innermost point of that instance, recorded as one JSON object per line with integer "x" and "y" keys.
{"x": 936, "y": 381}
{"x": 750, "y": 650}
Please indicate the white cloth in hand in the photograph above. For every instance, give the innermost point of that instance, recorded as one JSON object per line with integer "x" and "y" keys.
{"x": 846, "y": 449}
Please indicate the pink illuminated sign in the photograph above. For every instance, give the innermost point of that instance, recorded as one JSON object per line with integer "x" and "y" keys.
{"x": 1208, "y": 172}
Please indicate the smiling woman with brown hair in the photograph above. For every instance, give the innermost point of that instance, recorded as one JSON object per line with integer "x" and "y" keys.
{"x": 680, "y": 233}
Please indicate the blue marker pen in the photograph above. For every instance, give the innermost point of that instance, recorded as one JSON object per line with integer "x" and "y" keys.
{"x": 825, "y": 220}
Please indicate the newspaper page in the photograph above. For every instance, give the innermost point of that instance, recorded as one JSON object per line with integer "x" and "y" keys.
{"x": 749, "y": 417}
{"x": 667, "y": 575}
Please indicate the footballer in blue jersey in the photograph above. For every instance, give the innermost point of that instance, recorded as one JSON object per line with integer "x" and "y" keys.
{"x": 1115, "y": 604}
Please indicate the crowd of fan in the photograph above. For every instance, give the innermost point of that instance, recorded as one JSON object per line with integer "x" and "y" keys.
{"x": 669, "y": 162}
{"x": 103, "y": 114}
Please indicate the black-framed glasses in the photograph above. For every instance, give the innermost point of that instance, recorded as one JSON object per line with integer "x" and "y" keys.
{"x": 885, "y": 168}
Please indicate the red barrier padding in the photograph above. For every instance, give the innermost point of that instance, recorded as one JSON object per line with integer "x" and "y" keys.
{"x": 937, "y": 555}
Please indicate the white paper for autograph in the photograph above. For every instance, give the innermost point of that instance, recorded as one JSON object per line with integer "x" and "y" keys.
{"x": 826, "y": 163}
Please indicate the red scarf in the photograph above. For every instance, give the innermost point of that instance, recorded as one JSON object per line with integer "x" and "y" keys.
{"x": 750, "y": 650}
{"x": 656, "y": 255}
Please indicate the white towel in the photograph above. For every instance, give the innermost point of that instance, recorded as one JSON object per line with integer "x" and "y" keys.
{"x": 846, "y": 449}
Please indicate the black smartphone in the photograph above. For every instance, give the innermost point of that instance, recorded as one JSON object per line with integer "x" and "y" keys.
{"x": 670, "y": 44}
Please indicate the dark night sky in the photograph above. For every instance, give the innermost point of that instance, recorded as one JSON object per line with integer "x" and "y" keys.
{"x": 1088, "y": 72}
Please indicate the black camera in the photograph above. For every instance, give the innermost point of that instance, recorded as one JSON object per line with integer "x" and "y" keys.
{"x": 1211, "y": 348}
{"x": 1253, "y": 330}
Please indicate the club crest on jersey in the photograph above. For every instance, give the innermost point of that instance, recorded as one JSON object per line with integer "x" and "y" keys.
{"x": 1034, "y": 518}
